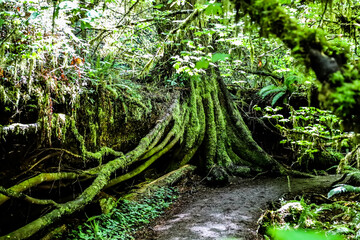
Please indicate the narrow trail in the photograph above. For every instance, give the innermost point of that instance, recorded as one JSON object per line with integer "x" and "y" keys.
{"x": 230, "y": 212}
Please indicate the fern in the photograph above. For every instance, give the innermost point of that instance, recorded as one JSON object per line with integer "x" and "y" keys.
{"x": 278, "y": 91}
{"x": 267, "y": 90}
{"x": 343, "y": 188}
{"x": 277, "y": 97}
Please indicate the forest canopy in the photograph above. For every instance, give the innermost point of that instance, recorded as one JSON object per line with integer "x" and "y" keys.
{"x": 95, "y": 93}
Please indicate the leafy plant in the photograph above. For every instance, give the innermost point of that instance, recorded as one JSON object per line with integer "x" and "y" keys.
{"x": 126, "y": 218}
{"x": 311, "y": 133}
{"x": 305, "y": 220}
{"x": 343, "y": 188}
{"x": 278, "y": 91}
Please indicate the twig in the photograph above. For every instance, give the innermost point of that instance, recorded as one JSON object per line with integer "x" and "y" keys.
{"x": 62, "y": 150}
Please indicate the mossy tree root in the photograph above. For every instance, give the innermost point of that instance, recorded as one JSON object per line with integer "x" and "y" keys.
{"x": 34, "y": 181}
{"x": 166, "y": 145}
{"x": 103, "y": 173}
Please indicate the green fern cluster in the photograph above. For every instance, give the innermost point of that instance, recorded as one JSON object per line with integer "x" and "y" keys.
{"x": 278, "y": 91}
{"x": 343, "y": 188}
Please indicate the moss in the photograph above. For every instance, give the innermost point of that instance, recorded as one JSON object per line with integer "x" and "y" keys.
{"x": 3, "y": 95}
{"x": 177, "y": 131}
{"x": 193, "y": 128}
{"x": 210, "y": 134}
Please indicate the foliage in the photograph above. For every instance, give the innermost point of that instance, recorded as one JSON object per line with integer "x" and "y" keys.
{"x": 343, "y": 188}
{"x": 279, "y": 91}
{"x": 124, "y": 220}
{"x": 77, "y": 65}
{"x": 310, "y": 132}
{"x": 330, "y": 220}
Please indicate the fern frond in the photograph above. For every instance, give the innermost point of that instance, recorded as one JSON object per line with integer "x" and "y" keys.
{"x": 275, "y": 91}
{"x": 343, "y": 188}
{"x": 263, "y": 92}
{"x": 277, "y": 97}
{"x": 290, "y": 80}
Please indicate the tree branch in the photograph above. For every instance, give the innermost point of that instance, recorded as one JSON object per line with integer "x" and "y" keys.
{"x": 42, "y": 177}
{"x": 21, "y": 196}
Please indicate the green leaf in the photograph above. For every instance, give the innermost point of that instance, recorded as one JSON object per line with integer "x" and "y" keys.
{"x": 343, "y": 188}
{"x": 202, "y": 64}
{"x": 267, "y": 90}
{"x": 341, "y": 230}
{"x": 159, "y": 6}
{"x": 85, "y": 23}
{"x": 219, "y": 57}
{"x": 257, "y": 108}
{"x": 277, "y": 97}
{"x": 213, "y": 9}
{"x": 298, "y": 234}
{"x": 264, "y": 89}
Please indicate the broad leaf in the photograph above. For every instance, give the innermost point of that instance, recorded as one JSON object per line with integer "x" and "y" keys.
{"x": 213, "y": 9}
{"x": 93, "y": 14}
{"x": 33, "y": 15}
{"x": 202, "y": 64}
{"x": 219, "y": 57}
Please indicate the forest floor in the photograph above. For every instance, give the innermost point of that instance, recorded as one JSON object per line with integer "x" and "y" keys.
{"x": 229, "y": 212}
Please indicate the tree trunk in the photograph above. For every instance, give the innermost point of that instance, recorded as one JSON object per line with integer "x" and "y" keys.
{"x": 218, "y": 133}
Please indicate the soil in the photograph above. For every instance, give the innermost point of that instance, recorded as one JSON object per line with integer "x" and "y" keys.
{"x": 229, "y": 212}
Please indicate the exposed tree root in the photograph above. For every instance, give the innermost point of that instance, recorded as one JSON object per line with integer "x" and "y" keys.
{"x": 103, "y": 174}
{"x": 12, "y": 194}
{"x": 167, "y": 180}
{"x": 32, "y": 182}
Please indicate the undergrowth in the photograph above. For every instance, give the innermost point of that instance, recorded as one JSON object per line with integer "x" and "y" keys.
{"x": 339, "y": 218}
{"x": 125, "y": 219}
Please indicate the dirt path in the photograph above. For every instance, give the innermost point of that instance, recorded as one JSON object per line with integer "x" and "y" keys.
{"x": 230, "y": 212}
